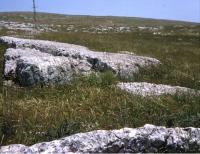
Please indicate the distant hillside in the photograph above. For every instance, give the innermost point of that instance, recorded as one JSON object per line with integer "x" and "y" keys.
{"x": 50, "y": 18}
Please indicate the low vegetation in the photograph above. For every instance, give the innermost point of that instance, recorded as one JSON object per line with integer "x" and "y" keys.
{"x": 31, "y": 115}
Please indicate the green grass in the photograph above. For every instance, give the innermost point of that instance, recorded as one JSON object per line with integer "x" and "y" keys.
{"x": 31, "y": 115}
{"x": 43, "y": 114}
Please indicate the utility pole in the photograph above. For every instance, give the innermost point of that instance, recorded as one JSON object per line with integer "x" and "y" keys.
{"x": 34, "y": 14}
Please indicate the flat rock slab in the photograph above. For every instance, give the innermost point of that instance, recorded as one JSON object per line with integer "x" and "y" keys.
{"x": 35, "y": 61}
{"x": 149, "y": 89}
{"x": 149, "y": 138}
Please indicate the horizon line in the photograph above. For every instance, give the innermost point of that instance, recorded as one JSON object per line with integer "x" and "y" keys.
{"x": 148, "y": 18}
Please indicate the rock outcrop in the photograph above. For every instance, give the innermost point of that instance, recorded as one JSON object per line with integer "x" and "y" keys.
{"x": 149, "y": 138}
{"x": 149, "y": 89}
{"x": 35, "y": 61}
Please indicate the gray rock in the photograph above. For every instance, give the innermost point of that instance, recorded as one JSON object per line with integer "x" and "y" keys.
{"x": 149, "y": 89}
{"x": 149, "y": 138}
{"x": 30, "y": 58}
{"x": 29, "y": 67}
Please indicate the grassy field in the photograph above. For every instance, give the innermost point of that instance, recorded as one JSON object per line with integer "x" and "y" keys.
{"x": 31, "y": 115}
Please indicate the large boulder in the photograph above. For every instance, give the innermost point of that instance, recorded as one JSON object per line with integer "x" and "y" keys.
{"x": 29, "y": 67}
{"x": 149, "y": 138}
{"x": 32, "y": 58}
{"x": 150, "y": 89}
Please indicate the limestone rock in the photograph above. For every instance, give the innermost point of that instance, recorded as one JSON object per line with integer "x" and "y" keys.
{"x": 149, "y": 89}
{"x": 30, "y": 67}
{"x": 149, "y": 138}
{"x": 32, "y": 58}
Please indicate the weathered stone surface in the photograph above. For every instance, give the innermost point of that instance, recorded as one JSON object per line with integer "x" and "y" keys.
{"x": 30, "y": 67}
{"x": 149, "y": 138}
{"x": 149, "y": 89}
{"x": 32, "y": 59}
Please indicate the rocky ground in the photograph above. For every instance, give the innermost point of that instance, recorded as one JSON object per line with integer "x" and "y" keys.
{"x": 30, "y": 27}
{"x": 27, "y": 27}
{"x": 119, "y": 28}
{"x": 29, "y": 63}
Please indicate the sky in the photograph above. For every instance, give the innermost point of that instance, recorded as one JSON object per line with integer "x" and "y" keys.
{"x": 185, "y": 10}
